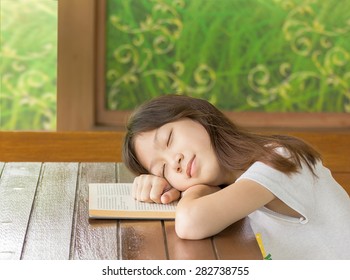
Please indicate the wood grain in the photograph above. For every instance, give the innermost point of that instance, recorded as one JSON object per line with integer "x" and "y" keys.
{"x": 237, "y": 242}
{"x": 61, "y": 146}
{"x": 93, "y": 239}
{"x": 50, "y": 228}
{"x": 76, "y": 65}
{"x": 43, "y": 215}
{"x": 181, "y": 249}
{"x": 123, "y": 174}
{"x": 17, "y": 190}
{"x": 142, "y": 240}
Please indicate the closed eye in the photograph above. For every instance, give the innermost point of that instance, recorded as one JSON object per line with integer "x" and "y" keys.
{"x": 163, "y": 171}
{"x": 169, "y": 138}
{"x": 167, "y": 144}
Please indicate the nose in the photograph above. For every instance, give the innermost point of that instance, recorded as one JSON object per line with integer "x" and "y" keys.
{"x": 177, "y": 163}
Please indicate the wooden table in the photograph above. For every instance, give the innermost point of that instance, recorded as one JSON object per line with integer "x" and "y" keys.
{"x": 44, "y": 215}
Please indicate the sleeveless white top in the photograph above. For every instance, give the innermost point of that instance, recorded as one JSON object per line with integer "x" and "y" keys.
{"x": 322, "y": 231}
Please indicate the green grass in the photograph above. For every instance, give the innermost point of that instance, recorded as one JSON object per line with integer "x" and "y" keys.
{"x": 242, "y": 55}
{"x": 256, "y": 60}
{"x": 28, "y": 54}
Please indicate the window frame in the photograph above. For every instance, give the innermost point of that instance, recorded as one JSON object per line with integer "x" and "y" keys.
{"x": 81, "y": 83}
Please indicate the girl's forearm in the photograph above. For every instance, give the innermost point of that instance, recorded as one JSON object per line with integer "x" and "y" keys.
{"x": 191, "y": 213}
{"x": 204, "y": 211}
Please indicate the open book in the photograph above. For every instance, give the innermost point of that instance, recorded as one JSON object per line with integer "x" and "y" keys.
{"x": 114, "y": 201}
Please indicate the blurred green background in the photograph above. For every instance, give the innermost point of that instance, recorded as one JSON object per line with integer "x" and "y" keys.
{"x": 242, "y": 55}
{"x": 28, "y": 62}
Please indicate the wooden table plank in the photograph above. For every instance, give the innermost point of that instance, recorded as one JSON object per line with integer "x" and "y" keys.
{"x": 50, "y": 201}
{"x": 17, "y": 190}
{"x": 50, "y": 227}
{"x": 237, "y": 242}
{"x": 142, "y": 240}
{"x": 123, "y": 174}
{"x": 139, "y": 239}
{"x": 93, "y": 239}
{"x": 180, "y": 249}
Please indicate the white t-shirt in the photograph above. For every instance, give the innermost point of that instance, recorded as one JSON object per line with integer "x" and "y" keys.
{"x": 323, "y": 230}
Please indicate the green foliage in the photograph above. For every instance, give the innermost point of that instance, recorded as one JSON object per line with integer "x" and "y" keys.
{"x": 28, "y": 65}
{"x": 242, "y": 55}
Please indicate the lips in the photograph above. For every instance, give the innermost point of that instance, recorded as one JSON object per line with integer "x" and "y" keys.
{"x": 189, "y": 167}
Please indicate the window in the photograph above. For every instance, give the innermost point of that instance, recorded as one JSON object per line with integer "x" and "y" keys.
{"x": 312, "y": 83}
{"x": 28, "y": 54}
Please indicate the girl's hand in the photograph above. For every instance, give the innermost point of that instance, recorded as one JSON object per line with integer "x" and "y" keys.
{"x": 151, "y": 188}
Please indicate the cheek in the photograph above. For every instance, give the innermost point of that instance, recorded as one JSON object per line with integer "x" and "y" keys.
{"x": 182, "y": 188}
{"x": 178, "y": 183}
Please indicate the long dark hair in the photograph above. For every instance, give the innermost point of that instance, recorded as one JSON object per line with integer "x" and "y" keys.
{"x": 236, "y": 148}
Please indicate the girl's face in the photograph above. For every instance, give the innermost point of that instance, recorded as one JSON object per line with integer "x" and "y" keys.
{"x": 182, "y": 153}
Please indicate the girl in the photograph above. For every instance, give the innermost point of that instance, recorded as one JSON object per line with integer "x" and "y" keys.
{"x": 177, "y": 144}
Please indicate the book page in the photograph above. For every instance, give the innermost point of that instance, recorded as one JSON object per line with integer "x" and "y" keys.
{"x": 115, "y": 200}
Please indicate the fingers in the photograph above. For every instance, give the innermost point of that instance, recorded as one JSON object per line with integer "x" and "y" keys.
{"x": 170, "y": 196}
{"x": 150, "y": 188}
